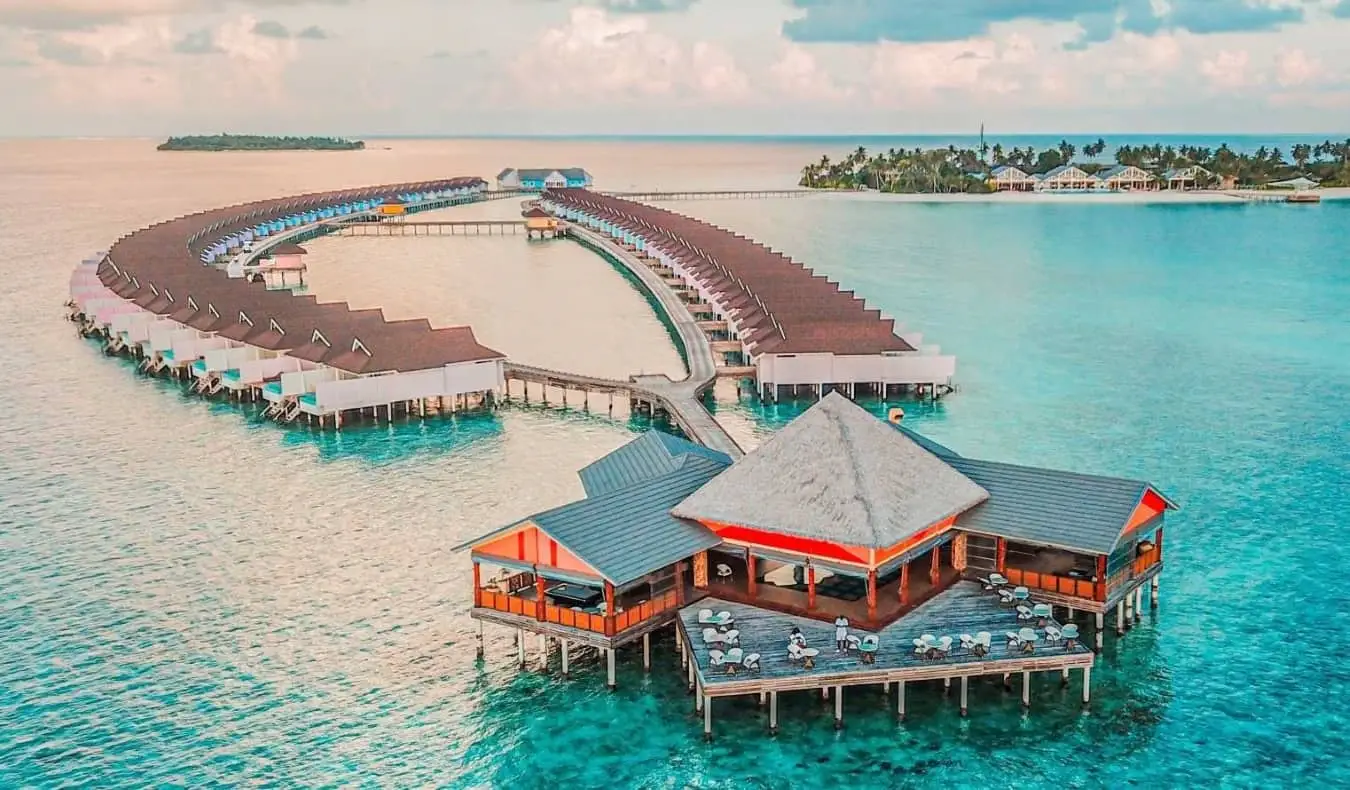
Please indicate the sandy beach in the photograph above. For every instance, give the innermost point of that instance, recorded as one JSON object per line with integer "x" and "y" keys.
{"x": 1105, "y": 198}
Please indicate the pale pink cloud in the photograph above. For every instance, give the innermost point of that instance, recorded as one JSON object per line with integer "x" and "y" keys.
{"x": 1228, "y": 69}
{"x": 1295, "y": 67}
{"x": 799, "y": 76}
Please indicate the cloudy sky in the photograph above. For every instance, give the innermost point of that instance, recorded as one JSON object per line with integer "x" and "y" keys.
{"x": 445, "y": 67}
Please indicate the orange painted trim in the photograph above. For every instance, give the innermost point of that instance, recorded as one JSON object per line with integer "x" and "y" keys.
{"x": 908, "y": 543}
{"x": 822, "y": 549}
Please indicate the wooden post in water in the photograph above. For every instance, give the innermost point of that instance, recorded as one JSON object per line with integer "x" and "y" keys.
{"x": 900, "y": 699}
{"x": 965, "y": 691}
{"x": 773, "y": 712}
{"x": 1101, "y": 626}
{"x": 609, "y": 660}
{"x": 1153, "y": 595}
{"x": 566, "y": 645}
{"x": 1120, "y": 618}
{"x": 1087, "y": 685}
{"x": 707, "y": 719}
{"x": 1026, "y": 689}
{"x": 647, "y": 652}
{"x": 838, "y": 707}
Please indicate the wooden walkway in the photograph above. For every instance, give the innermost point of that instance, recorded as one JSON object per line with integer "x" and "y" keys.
{"x": 963, "y": 609}
{"x": 483, "y": 227}
{"x": 714, "y": 194}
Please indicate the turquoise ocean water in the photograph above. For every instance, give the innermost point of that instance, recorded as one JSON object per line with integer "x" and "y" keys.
{"x": 191, "y": 599}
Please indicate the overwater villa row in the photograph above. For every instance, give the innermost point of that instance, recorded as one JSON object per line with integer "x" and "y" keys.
{"x": 792, "y": 327}
{"x": 844, "y": 551}
{"x": 1117, "y": 178}
{"x": 175, "y": 296}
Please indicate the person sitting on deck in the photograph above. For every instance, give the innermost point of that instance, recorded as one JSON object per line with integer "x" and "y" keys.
{"x": 840, "y": 634}
{"x": 796, "y": 638}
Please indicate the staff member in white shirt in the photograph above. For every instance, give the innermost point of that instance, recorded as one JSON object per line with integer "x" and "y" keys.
{"x": 840, "y": 634}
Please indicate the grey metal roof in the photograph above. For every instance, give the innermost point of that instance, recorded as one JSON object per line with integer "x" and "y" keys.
{"x": 629, "y": 532}
{"x": 941, "y": 451}
{"x": 836, "y": 473}
{"x": 650, "y": 455}
{"x": 1049, "y": 507}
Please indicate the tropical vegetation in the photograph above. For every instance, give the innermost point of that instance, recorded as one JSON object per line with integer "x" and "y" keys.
{"x": 257, "y": 142}
{"x": 955, "y": 169}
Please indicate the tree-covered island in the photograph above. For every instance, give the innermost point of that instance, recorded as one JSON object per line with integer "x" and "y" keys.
{"x": 994, "y": 167}
{"x": 258, "y": 142}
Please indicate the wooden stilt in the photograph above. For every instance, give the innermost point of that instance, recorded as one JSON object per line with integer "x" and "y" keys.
{"x": 773, "y": 712}
{"x": 1064, "y": 677}
{"x": 824, "y": 692}
{"x": 838, "y": 707}
{"x": 1153, "y": 595}
{"x": 1139, "y": 603}
{"x": 1120, "y": 618}
{"x": 1101, "y": 626}
{"x": 707, "y": 719}
{"x": 1087, "y": 685}
{"x": 520, "y": 646}
{"x": 609, "y": 659}
{"x": 646, "y": 652}
{"x": 763, "y": 698}
{"x": 480, "y": 638}
{"x": 947, "y": 686}
{"x": 566, "y": 657}
{"x": 900, "y": 699}
{"x": 965, "y": 692}
{"x": 1026, "y": 689}
{"x": 692, "y": 682}
{"x": 698, "y": 696}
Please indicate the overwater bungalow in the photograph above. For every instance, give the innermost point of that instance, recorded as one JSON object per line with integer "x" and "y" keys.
{"x": 1126, "y": 178}
{"x": 931, "y": 565}
{"x": 1065, "y": 178}
{"x": 539, "y": 179}
{"x": 1188, "y": 177}
{"x": 1006, "y": 178}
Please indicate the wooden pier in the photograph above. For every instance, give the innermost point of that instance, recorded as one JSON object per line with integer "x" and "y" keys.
{"x": 485, "y": 227}
{"x": 714, "y": 194}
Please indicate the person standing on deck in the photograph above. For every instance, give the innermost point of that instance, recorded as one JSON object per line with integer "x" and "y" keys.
{"x": 840, "y": 633}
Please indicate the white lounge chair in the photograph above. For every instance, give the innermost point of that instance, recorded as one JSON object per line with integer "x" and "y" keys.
{"x": 705, "y": 617}
{"x": 751, "y": 662}
{"x": 1023, "y": 612}
{"x": 1052, "y": 634}
{"x": 998, "y": 578}
{"x": 711, "y": 636}
{"x": 724, "y": 618}
{"x": 1043, "y": 610}
{"x": 1070, "y": 634}
{"x": 1013, "y": 639}
{"x": 723, "y": 572}
{"x": 716, "y": 658}
{"x": 1005, "y": 596}
{"x": 944, "y": 645}
{"x": 1021, "y": 593}
{"x": 732, "y": 637}
{"x": 1027, "y": 639}
{"x": 983, "y": 641}
{"x": 733, "y": 658}
{"x": 852, "y": 642}
{"x": 967, "y": 642}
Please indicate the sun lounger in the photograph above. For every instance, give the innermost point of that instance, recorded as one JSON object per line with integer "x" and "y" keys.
{"x": 1013, "y": 639}
{"x": 716, "y": 658}
{"x": 868, "y": 647}
{"x": 1021, "y": 593}
{"x": 809, "y": 657}
{"x": 1043, "y": 610}
{"x": 994, "y": 581}
{"x": 852, "y": 642}
{"x": 1070, "y": 634}
{"x": 1027, "y": 638}
{"x": 1052, "y": 634}
{"x": 1023, "y": 612}
{"x": 1005, "y": 596}
{"x": 705, "y": 617}
{"x": 751, "y": 662}
{"x": 983, "y": 641}
{"x": 732, "y": 637}
{"x": 733, "y": 659}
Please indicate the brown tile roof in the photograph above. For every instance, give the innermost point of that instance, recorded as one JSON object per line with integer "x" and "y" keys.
{"x": 391, "y": 348}
{"x": 781, "y": 306}
{"x": 167, "y": 256}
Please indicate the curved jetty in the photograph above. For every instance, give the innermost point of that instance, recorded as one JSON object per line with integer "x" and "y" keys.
{"x": 175, "y": 296}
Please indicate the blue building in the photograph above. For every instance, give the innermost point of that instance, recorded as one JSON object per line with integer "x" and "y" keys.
{"x": 540, "y": 179}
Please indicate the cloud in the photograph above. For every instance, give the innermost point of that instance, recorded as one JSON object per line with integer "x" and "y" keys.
{"x": 1228, "y": 70}
{"x": 799, "y": 77}
{"x": 595, "y": 56}
{"x": 1100, "y": 20}
{"x": 312, "y": 33}
{"x": 270, "y": 29}
{"x": 198, "y": 42}
{"x": 68, "y": 53}
{"x": 645, "y": 6}
{"x": 85, "y": 14}
{"x": 1294, "y": 67}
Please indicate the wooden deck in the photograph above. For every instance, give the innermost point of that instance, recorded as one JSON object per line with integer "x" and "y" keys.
{"x": 397, "y": 227}
{"x": 963, "y": 609}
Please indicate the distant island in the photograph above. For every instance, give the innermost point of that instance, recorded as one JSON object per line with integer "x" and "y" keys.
{"x": 1143, "y": 167}
{"x": 257, "y": 142}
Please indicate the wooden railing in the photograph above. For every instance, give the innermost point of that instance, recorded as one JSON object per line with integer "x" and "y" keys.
{"x": 1077, "y": 588}
{"x": 1147, "y": 560}
{"x": 574, "y": 618}
{"x": 644, "y": 611}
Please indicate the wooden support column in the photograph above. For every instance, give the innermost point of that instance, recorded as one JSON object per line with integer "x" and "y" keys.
{"x": 838, "y": 707}
{"x": 904, "y": 584}
{"x": 480, "y": 638}
{"x": 679, "y": 585}
{"x": 539, "y": 596}
{"x": 701, "y": 570}
{"x": 1087, "y": 685}
{"x": 810, "y": 586}
{"x": 872, "y": 595}
{"x": 1153, "y": 593}
{"x": 477, "y": 586}
{"x": 707, "y": 719}
{"x": 1100, "y": 590}
{"x": 900, "y": 699}
{"x": 566, "y": 657}
{"x": 1001, "y": 555}
{"x": 647, "y": 652}
{"x": 1139, "y": 603}
{"x": 750, "y": 573}
{"x": 1026, "y": 689}
{"x": 773, "y": 712}
{"x": 609, "y": 661}
{"x": 1101, "y": 626}
{"x": 934, "y": 574}
{"x": 1120, "y": 618}
{"x": 1064, "y": 677}
{"x": 520, "y": 646}
{"x": 965, "y": 692}
{"x": 691, "y": 682}
{"x": 609, "y": 611}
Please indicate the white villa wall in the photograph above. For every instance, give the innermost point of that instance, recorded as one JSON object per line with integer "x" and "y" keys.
{"x": 188, "y": 349}
{"x": 926, "y": 367}
{"x": 163, "y": 338}
{"x": 105, "y": 315}
{"x": 254, "y": 371}
{"x": 451, "y": 380}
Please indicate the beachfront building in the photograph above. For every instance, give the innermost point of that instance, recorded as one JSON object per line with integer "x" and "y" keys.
{"x": 1125, "y": 178}
{"x": 1297, "y": 184}
{"x": 1006, "y": 178}
{"x": 605, "y": 570}
{"x": 839, "y": 517}
{"x": 1065, "y": 178}
{"x": 537, "y": 179}
{"x": 790, "y": 328}
{"x": 1189, "y": 177}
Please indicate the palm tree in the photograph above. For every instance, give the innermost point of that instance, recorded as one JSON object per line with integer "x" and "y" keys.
{"x": 998, "y": 154}
{"x": 1301, "y": 153}
{"x": 808, "y": 176}
{"x": 1066, "y": 151}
